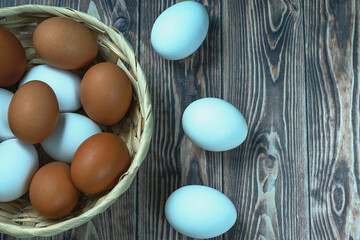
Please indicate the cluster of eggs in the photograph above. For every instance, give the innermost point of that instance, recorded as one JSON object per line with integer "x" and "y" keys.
{"x": 211, "y": 123}
{"x": 42, "y": 111}
{"x": 85, "y": 159}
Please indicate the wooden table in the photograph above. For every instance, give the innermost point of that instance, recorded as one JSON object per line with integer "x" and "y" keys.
{"x": 292, "y": 68}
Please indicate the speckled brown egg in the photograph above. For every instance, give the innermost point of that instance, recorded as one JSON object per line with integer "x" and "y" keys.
{"x": 106, "y": 93}
{"x": 33, "y": 112}
{"x": 12, "y": 59}
{"x": 99, "y": 162}
{"x": 52, "y": 192}
{"x": 64, "y": 43}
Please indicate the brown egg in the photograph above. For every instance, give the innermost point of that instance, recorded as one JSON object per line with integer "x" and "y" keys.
{"x": 99, "y": 162}
{"x": 12, "y": 59}
{"x": 105, "y": 93}
{"x": 65, "y": 43}
{"x": 33, "y": 112}
{"x": 52, "y": 192}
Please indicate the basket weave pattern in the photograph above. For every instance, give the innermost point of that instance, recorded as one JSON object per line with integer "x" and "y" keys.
{"x": 18, "y": 218}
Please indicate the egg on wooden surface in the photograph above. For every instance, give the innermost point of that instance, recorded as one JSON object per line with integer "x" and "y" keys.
{"x": 200, "y": 212}
{"x": 52, "y": 192}
{"x": 180, "y": 30}
{"x": 64, "y": 43}
{"x": 5, "y": 99}
{"x": 99, "y": 162}
{"x": 106, "y": 93}
{"x": 33, "y": 112}
{"x": 71, "y": 130}
{"x": 18, "y": 164}
{"x": 214, "y": 124}
{"x": 65, "y": 84}
{"x": 12, "y": 59}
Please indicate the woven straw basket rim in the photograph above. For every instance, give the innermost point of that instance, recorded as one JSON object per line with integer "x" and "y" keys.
{"x": 123, "y": 55}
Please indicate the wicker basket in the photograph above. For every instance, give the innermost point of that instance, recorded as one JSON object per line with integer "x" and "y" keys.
{"x": 18, "y": 218}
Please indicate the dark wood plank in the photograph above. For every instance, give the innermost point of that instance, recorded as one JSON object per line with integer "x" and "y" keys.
{"x": 173, "y": 161}
{"x": 332, "y": 56}
{"x": 263, "y": 70}
{"x": 119, "y": 221}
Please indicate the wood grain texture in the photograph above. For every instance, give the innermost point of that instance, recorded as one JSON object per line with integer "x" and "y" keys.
{"x": 292, "y": 68}
{"x": 263, "y": 66}
{"x": 332, "y": 75}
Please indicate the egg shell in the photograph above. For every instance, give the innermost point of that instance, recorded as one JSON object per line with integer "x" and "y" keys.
{"x": 65, "y": 84}
{"x": 71, "y": 131}
{"x": 52, "y": 192}
{"x": 99, "y": 162}
{"x": 200, "y": 212}
{"x": 64, "y": 43}
{"x": 106, "y": 93}
{"x": 18, "y": 163}
{"x": 214, "y": 124}
{"x": 12, "y": 59}
{"x": 33, "y": 112}
{"x": 180, "y": 30}
{"x": 5, "y": 99}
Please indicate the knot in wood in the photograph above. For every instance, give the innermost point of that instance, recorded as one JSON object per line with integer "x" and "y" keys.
{"x": 122, "y": 24}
